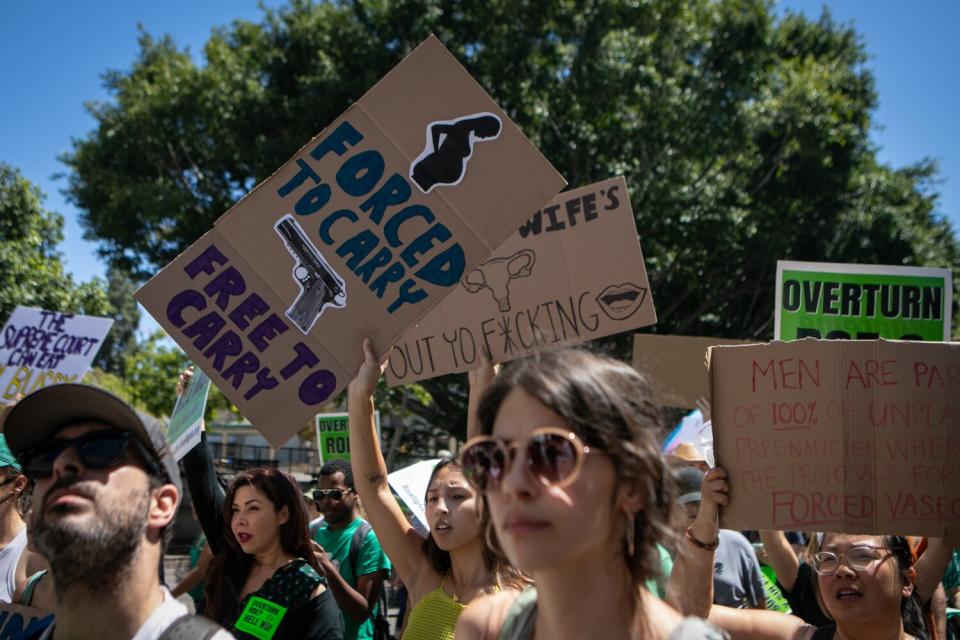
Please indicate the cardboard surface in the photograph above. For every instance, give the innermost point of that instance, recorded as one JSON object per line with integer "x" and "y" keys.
{"x": 676, "y": 366}
{"x": 571, "y": 273}
{"x": 359, "y": 235}
{"x": 859, "y": 301}
{"x": 183, "y": 430}
{"x": 839, "y": 435}
{"x": 39, "y": 348}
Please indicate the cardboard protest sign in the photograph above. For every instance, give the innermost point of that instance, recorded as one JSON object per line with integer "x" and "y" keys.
{"x": 843, "y": 301}
{"x": 676, "y": 366}
{"x": 360, "y": 234}
{"x": 573, "y": 272}
{"x": 333, "y": 435}
{"x": 839, "y": 435}
{"x": 39, "y": 348}
{"x": 183, "y": 430}
{"x": 18, "y": 621}
{"x": 410, "y": 484}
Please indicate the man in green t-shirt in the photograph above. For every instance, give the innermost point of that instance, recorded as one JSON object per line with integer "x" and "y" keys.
{"x": 356, "y": 582}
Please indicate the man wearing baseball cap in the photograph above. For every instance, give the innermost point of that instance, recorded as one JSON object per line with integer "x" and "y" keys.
{"x": 105, "y": 492}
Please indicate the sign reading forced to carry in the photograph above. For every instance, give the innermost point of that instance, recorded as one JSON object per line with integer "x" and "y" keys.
{"x": 360, "y": 234}
{"x": 862, "y": 302}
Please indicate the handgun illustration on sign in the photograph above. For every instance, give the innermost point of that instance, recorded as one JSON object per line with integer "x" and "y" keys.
{"x": 320, "y": 286}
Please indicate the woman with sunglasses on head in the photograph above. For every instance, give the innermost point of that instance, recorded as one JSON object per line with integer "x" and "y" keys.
{"x": 264, "y": 580}
{"x": 454, "y": 565}
{"x": 866, "y": 583}
{"x": 579, "y": 496}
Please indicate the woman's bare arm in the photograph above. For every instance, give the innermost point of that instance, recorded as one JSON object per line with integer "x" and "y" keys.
{"x": 399, "y": 539}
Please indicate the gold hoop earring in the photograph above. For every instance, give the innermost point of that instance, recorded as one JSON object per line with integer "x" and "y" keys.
{"x": 630, "y": 535}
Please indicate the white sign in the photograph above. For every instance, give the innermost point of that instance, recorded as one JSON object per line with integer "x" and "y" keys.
{"x": 183, "y": 431}
{"x": 39, "y": 348}
{"x": 410, "y": 483}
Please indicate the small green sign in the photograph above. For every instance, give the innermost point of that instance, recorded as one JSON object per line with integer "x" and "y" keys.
{"x": 333, "y": 435}
{"x": 862, "y": 302}
{"x": 260, "y": 618}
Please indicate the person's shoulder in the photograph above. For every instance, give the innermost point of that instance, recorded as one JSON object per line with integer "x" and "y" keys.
{"x": 484, "y": 616}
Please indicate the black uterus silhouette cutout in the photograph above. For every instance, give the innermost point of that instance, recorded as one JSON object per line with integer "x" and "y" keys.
{"x": 449, "y": 147}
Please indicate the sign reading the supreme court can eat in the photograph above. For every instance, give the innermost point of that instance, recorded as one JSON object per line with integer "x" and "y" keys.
{"x": 39, "y": 348}
{"x": 333, "y": 435}
{"x": 573, "y": 272}
{"x": 839, "y": 435}
{"x": 844, "y": 301}
{"x": 359, "y": 235}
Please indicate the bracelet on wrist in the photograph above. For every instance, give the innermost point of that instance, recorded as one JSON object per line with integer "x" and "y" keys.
{"x": 699, "y": 544}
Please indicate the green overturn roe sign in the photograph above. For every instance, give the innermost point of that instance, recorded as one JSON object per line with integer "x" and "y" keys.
{"x": 862, "y": 302}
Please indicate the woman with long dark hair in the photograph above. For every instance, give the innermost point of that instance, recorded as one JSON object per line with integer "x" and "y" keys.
{"x": 454, "y": 564}
{"x": 579, "y": 495}
{"x": 264, "y": 580}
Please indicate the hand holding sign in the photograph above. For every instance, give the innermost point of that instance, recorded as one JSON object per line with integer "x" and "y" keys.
{"x": 365, "y": 382}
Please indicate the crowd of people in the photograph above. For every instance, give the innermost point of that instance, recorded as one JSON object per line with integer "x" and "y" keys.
{"x": 560, "y": 518}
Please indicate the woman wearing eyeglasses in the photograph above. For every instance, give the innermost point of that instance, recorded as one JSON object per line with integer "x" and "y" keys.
{"x": 264, "y": 581}
{"x": 866, "y": 583}
{"x": 454, "y": 565}
{"x": 579, "y": 496}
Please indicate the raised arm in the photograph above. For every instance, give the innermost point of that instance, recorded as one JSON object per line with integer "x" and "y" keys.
{"x": 931, "y": 566}
{"x": 398, "y": 538}
{"x": 781, "y": 556}
{"x": 691, "y": 584}
{"x": 690, "y": 589}
{"x": 205, "y": 491}
{"x": 480, "y": 378}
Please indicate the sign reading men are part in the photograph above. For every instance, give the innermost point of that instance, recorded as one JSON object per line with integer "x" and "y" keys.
{"x": 844, "y": 301}
{"x": 571, "y": 273}
{"x": 361, "y": 233}
{"x": 39, "y": 348}
{"x": 861, "y": 436}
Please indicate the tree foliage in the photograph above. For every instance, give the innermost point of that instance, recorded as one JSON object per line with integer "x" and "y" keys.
{"x": 743, "y": 138}
{"x": 31, "y": 271}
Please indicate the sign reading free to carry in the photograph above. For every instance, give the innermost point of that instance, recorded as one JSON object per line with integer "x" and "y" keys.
{"x": 333, "y": 435}
{"x": 862, "y": 302}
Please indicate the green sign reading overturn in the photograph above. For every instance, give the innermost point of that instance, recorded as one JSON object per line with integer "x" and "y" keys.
{"x": 862, "y": 302}
{"x": 333, "y": 435}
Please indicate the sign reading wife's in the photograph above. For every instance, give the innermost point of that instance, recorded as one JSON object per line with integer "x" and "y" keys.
{"x": 862, "y": 302}
{"x": 860, "y": 436}
{"x": 39, "y": 348}
{"x": 572, "y": 272}
{"x": 361, "y": 233}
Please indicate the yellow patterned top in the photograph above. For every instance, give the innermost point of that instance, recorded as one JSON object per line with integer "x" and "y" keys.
{"x": 435, "y": 616}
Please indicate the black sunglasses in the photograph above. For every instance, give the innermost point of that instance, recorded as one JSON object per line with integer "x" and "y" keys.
{"x": 333, "y": 494}
{"x": 96, "y": 450}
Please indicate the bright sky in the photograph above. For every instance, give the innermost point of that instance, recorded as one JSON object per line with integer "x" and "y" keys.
{"x": 53, "y": 53}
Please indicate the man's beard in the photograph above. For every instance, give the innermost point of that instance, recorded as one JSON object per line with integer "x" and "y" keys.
{"x": 91, "y": 555}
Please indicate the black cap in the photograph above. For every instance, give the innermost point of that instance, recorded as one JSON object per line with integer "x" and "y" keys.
{"x": 689, "y": 480}
{"x": 43, "y": 413}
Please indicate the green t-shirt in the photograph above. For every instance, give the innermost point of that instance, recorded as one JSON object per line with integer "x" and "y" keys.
{"x": 658, "y": 586}
{"x": 951, "y": 578}
{"x": 370, "y": 558}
